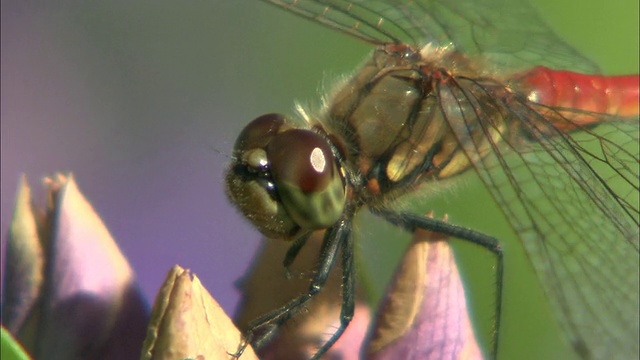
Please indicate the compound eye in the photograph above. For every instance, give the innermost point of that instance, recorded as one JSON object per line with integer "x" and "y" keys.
{"x": 307, "y": 178}
{"x": 259, "y": 132}
{"x": 249, "y": 182}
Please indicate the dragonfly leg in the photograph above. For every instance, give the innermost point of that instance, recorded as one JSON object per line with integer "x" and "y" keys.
{"x": 263, "y": 329}
{"x": 293, "y": 252}
{"x": 348, "y": 295}
{"x": 411, "y": 222}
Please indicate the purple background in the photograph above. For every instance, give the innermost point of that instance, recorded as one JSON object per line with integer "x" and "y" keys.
{"x": 143, "y": 103}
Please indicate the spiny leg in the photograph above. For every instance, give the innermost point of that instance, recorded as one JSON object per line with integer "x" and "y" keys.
{"x": 293, "y": 252}
{"x": 271, "y": 321}
{"x": 348, "y": 295}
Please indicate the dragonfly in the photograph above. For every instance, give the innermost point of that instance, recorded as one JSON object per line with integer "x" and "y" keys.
{"x": 453, "y": 87}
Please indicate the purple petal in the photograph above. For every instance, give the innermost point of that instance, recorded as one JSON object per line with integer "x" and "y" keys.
{"x": 91, "y": 305}
{"x": 424, "y": 314}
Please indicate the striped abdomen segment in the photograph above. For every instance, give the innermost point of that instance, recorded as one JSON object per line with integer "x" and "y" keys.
{"x": 577, "y": 96}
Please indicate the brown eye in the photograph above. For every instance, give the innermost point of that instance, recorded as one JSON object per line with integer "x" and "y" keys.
{"x": 307, "y": 178}
{"x": 286, "y": 181}
{"x": 302, "y": 158}
{"x": 249, "y": 183}
{"x": 258, "y": 133}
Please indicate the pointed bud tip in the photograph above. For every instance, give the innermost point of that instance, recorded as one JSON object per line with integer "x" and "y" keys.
{"x": 188, "y": 322}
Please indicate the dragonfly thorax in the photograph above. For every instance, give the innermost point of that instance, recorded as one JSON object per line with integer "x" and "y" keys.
{"x": 390, "y": 115}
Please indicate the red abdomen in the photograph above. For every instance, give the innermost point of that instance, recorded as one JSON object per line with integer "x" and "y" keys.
{"x": 564, "y": 90}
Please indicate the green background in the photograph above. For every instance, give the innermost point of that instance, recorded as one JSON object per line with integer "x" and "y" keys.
{"x": 607, "y": 34}
{"x": 143, "y": 102}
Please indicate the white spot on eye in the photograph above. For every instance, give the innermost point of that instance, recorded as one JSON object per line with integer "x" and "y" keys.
{"x": 318, "y": 162}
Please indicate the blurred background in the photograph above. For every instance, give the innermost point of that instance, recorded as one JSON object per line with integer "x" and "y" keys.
{"x": 142, "y": 102}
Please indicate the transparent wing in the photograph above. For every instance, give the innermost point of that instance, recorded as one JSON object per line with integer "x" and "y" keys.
{"x": 572, "y": 199}
{"x": 505, "y": 33}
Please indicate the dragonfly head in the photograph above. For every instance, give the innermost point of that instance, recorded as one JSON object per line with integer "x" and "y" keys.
{"x": 286, "y": 181}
